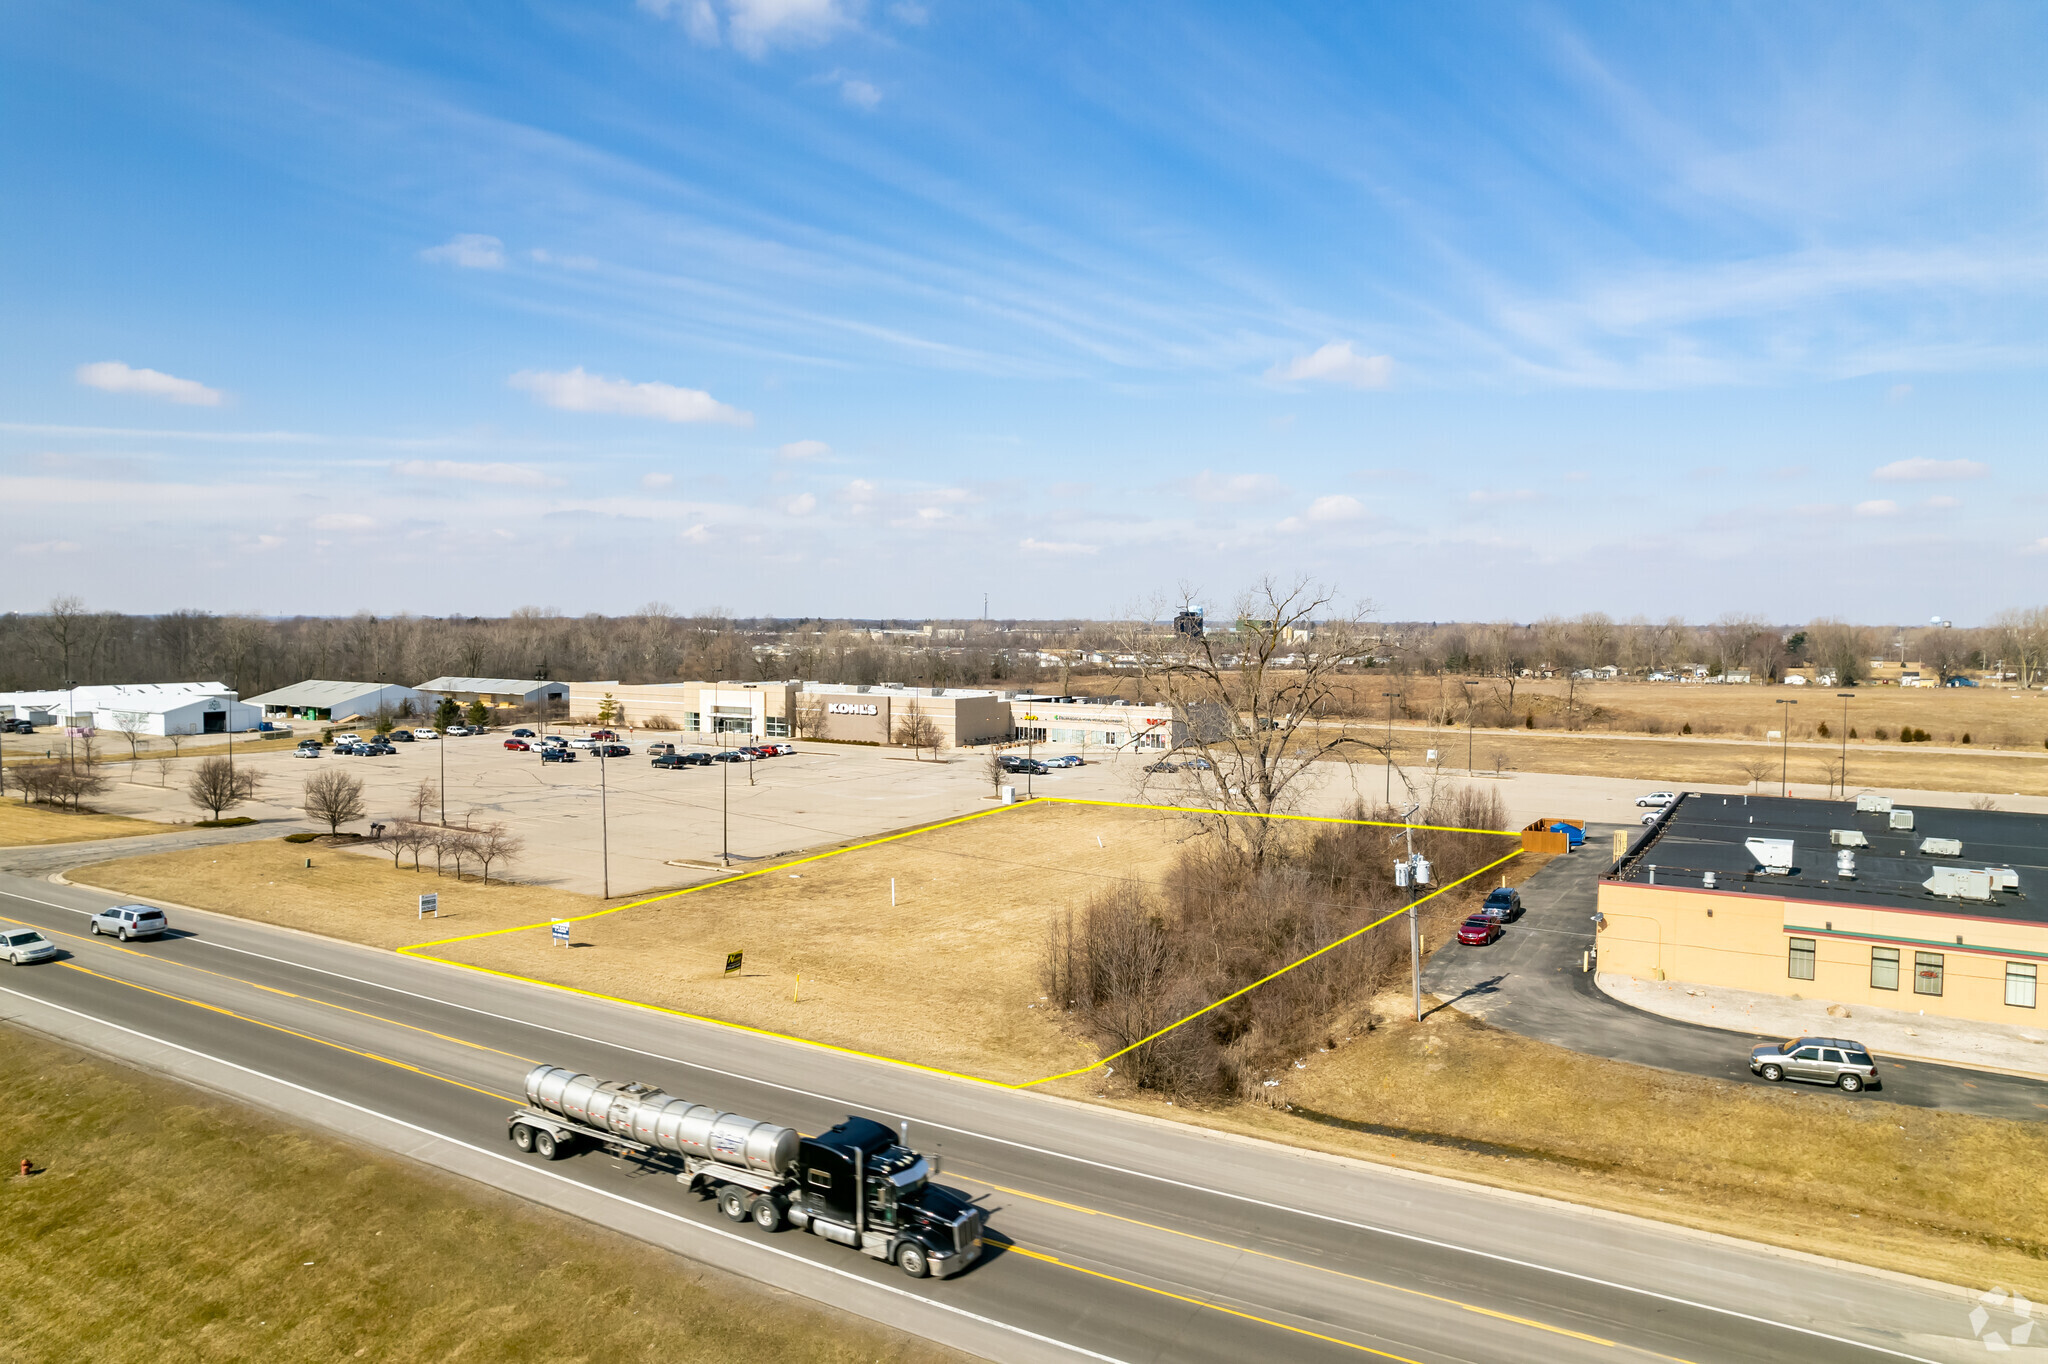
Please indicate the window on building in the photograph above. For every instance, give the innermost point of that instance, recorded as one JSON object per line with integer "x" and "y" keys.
{"x": 1799, "y": 964}
{"x": 778, "y": 727}
{"x": 691, "y": 722}
{"x": 1927, "y": 969}
{"x": 1884, "y": 968}
{"x": 2019, "y": 984}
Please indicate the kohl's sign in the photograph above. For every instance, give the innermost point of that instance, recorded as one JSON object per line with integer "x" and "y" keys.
{"x": 850, "y": 708}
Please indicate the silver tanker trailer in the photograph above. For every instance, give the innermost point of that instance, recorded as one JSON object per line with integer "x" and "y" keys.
{"x": 855, "y": 1184}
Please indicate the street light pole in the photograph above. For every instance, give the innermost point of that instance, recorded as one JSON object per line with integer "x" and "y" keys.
{"x": 1784, "y": 745}
{"x": 1388, "y": 799}
{"x": 442, "y": 746}
{"x": 1847, "y": 697}
{"x": 725, "y": 812}
{"x": 1468, "y": 729}
{"x": 604, "y": 822}
{"x": 71, "y": 723}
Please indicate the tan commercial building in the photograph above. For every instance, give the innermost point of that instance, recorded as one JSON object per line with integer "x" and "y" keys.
{"x": 842, "y": 712}
{"x": 1934, "y": 910}
{"x": 1094, "y": 722}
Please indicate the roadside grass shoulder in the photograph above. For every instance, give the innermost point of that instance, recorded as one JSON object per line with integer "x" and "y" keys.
{"x": 24, "y": 826}
{"x": 163, "y": 1226}
{"x": 1943, "y": 1195}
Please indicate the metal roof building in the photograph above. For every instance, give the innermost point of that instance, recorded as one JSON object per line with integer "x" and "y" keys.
{"x": 158, "y": 708}
{"x": 322, "y": 700}
{"x": 494, "y": 691}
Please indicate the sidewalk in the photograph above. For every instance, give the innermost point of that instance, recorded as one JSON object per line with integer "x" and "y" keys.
{"x": 1892, "y": 1033}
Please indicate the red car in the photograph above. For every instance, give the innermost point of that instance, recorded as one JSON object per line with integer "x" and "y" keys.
{"x": 1478, "y": 931}
{"x": 520, "y": 744}
{"x": 602, "y": 734}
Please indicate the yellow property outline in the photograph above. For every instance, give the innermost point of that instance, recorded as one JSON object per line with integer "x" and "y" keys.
{"x": 418, "y": 951}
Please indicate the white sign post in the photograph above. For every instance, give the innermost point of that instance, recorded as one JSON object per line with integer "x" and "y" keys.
{"x": 430, "y": 903}
{"x": 561, "y": 934}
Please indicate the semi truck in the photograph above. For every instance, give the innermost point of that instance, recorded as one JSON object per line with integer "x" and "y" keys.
{"x": 856, "y": 1184}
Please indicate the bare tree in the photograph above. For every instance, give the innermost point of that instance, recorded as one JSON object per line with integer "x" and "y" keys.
{"x": 217, "y": 786}
{"x": 422, "y": 798}
{"x": 813, "y": 718}
{"x": 334, "y": 796}
{"x": 994, "y": 770}
{"x": 164, "y": 763}
{"x": 916, "y": 732}
{"x": 1756, "y": 769}
{"x": 1504, "y": 661}
{"x": 1260, "y": 726}
{"x": 495, "y": 843}
{"x": 406, "y": 837}
{"x": 129, "y": 725}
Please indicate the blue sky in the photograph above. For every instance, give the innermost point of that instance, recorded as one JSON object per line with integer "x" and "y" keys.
{"x": 820, "y": 307}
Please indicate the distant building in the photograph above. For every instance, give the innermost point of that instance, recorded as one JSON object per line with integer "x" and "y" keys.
{"x": 495, "y": 692}
{"x": 321, "y": 700}
{"x": 1189, "y": 623}
{"x": 159, "y": 708}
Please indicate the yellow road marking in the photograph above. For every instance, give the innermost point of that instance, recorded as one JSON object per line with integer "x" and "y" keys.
{"x": 1282, "y": 1259}
{"x": 289, "y": 1032}
{"x": 1213, "y": 1307}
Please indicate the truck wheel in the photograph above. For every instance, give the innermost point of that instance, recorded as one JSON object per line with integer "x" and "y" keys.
{"x": 1773, "y": 1073}
{"x": 544, "y": 1142}
{"x": 732, "y": 1203}
{"x": 767, "y": 1213}
{"x": 913, "y": 1260}
{"x": 522, "y": 1136}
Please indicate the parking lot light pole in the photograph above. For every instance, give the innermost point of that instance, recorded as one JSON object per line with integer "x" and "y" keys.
{"x": 1784, "y": 744}
{"x": 1847, "y": 697}
{"x": 1389, "y": 797}
{"x": 725, "y": 813}
{"x": 1468, "y": 728}
{"x": 604, "y": 822}
{"x": 442, "y": 746}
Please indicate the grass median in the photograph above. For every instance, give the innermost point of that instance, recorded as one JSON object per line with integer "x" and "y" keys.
{"x": 163, "y": 1226}
{"x": 27, "y": 826}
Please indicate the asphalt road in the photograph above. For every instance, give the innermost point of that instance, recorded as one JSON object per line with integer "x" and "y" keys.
{"x": 1112, "y": 1236}
{"x": 1532, "y": 981}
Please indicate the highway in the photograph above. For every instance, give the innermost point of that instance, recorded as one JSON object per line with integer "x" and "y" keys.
{"x": 1113, "y": 1237}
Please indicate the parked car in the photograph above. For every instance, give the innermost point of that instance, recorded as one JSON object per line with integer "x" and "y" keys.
{"x": 1013, "y": 763}
{"x": 522, "y": 734}
{"x": 348, "y": 737}
{"x": 1651, "y": 818}
{"x": 1818, "y": 1060}
{"x": 698, "y": 759}
{"x": 426, "y": 734}
{"x": 1657, "y": 800}
{"x": 554, "y": 741}
{"x": 1063, "y": 760}
{"x": 16, "y": 727}
{"x": 24, "y": 945}
{"x": 344, "y": 748}
{"x": 1505, "y": 902}
{"x": 602, "y": 734}
{"x": 129, "y": 921}
{"x": 1478, "y": 931}
{"x": 519, "y": 745}
{"x": 376, "y": 749}
{"x": 656, "y": 750}
{"x": 582, "y": 741}
{"x": 308, "y": 748}
{"x": 1162, "y": 766}
{"x": 670, "y": 760}
{"x": 730, "y": 755}
{"x": 786, "y": 750}
{"x": 551, "y": 754}
{"x": 398, "y": 736}
{"x": 614, "y": 751}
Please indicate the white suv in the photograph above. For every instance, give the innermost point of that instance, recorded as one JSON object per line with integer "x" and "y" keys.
{"x": 426, "y": 734}
{"x": 1657, "y": 800}
{"x": 130, "y": 921}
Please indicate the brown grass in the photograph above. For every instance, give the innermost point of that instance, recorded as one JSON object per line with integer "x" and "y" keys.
{"x": 170, "y": 1227}
{"x": 23, "y": 826}
{"x": 1910, "y": 1189}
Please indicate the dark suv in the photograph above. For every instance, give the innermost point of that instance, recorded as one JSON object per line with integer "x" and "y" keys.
{"x": 1821, "y": 1060}
{"x": 1503, "y": 903}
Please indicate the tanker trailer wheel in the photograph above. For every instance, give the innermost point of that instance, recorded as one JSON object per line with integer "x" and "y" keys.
{"x": 767, "y": 1213}
{"x": 522, "y": 1136}
{"x": 913, "y": 1260}
{"x": 545, "y": 1143}
{"x": 732, "y": 1203}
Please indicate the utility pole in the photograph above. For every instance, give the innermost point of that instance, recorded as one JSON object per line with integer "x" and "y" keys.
{"x": 1468, "y": 728}
{"x": 604, "y": 822}
{"x": 1784, "y": 743}
{"x": 725, "y": 812}
{"x": 1388, "y": 799}
{"x": 70, "y": 723}
{"x": 442, "y": 746}
{"x": 1847, "y": 697}
{"x": 1411, "y": 874}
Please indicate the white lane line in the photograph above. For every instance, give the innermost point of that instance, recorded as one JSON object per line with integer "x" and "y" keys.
{"x": 1412, "y": 1237}
{"x": 748, "y": 1241}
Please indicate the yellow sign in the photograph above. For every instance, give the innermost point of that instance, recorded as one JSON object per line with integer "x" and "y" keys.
{"x": 732, "y": 961}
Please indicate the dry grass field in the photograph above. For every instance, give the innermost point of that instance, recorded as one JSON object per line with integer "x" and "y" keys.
{"x": 1909, "y": 1189}
{"x": 23, "y": 826}
{"x": 164, "y": 1226}
{"x": 945, "y": 977}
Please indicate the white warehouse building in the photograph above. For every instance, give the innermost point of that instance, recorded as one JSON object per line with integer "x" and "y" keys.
{"x": 159, "y": 708}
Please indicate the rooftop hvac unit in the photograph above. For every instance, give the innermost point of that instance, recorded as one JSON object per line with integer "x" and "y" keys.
{"x": 1942, "y": 847}
{"x": 1848, "y": 838}
{"x": 1902, "y": 819}
{"x": 1773, "y": 855}
{"x": 1873, "y": 805}
{"x": 1845, "y": 865}
{"x": 1959, "y": 883}
{"x": 2003, "y": 878}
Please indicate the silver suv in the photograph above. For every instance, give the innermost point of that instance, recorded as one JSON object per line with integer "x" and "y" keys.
{"x": 130, "y": 921}
{"x": 1821, "y": 1060}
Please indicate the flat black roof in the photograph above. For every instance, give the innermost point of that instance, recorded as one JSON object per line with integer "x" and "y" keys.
{"x": 1708, "y": 833}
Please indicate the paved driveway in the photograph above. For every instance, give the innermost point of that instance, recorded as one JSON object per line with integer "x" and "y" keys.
{"x": 1532, "y": 982}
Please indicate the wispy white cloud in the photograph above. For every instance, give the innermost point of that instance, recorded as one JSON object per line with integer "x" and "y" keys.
{"x": 1334, "y": 508}
{"x": 344, "y": 521}
{"x": 41, "y": 547}
{"x": 753, "y": 26}
{"x": 114, "y": 377}
{"x": 859, "y": 93}
{"x": 1922, "y": 470}
{"x": 1208, "y": 486}
{"x": 468, "y": 251}
{"x": 1494, "y": 496}
{"x": 1944, "y": 503}
{"x": 804, "y": 449}
{"x": 803, "y": 504}
{"x": 510, "y": 475}
{"x": 1336, "y": 363}
{"x": 1061, "y": 548}
{"x": 655, "y": 482}
{"x": 1880, "y": 506}
{"x": 575, "y": 391}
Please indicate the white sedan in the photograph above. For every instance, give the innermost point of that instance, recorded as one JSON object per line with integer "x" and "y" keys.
{"x": 426, "y": 734}
{"x": 1657, "y": 800}
{"x": 582, "y": 742}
